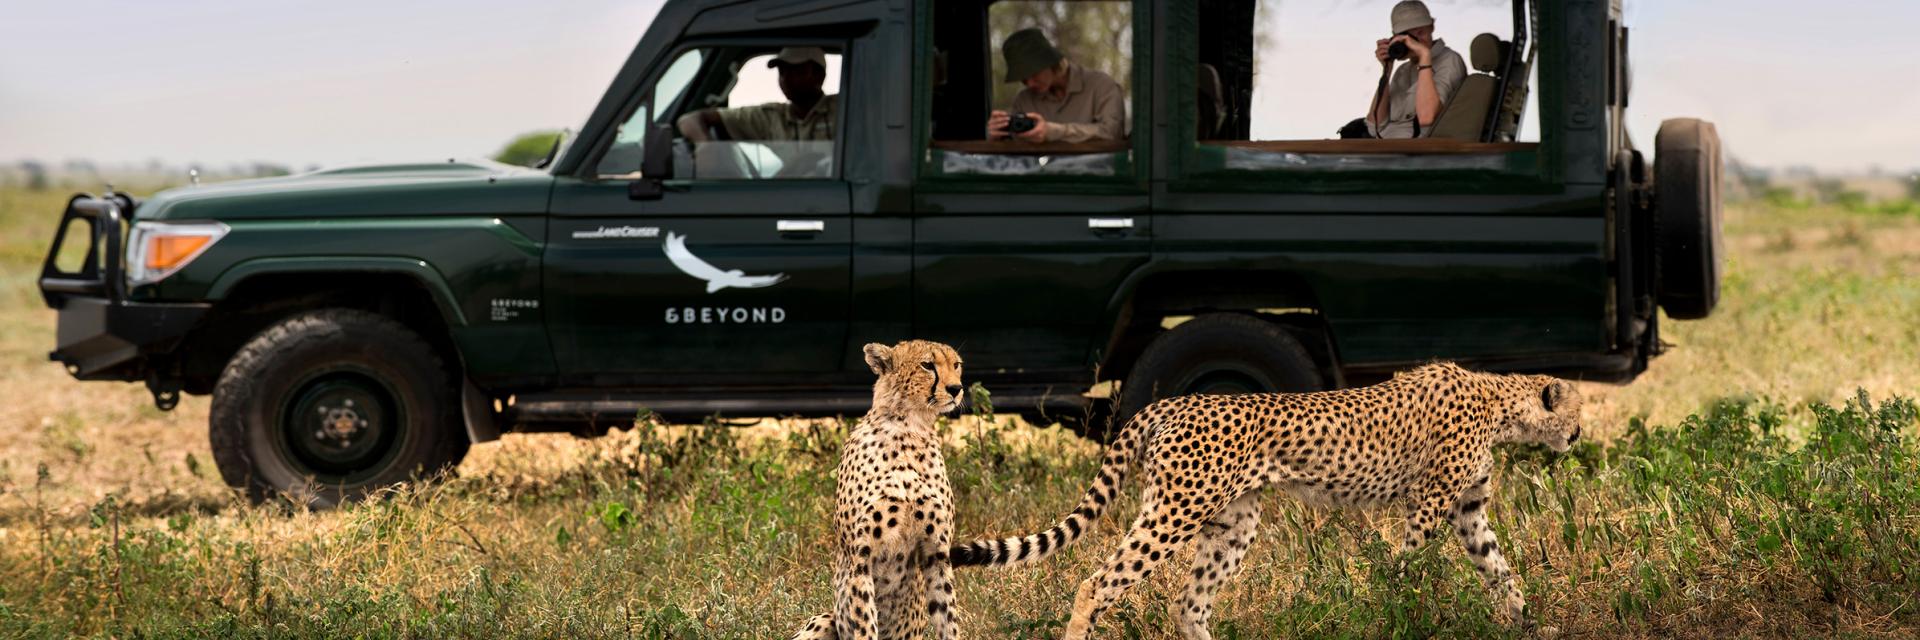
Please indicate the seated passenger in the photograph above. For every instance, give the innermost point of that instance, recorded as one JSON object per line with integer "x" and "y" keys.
{"x": 806, "y": 115}
{"x": 1067, "y": 102}
{"x": 1421, "y": 88}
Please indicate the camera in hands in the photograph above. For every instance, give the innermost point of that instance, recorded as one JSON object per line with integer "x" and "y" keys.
{"x": 1397, "y": 50}
{"x": 1018, "y": 123}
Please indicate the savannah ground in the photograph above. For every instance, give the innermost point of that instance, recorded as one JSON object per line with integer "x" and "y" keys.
{"x": 1744, "y": 486}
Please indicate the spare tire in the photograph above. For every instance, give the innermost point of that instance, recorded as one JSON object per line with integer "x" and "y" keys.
{"x": 1686, "y": 166}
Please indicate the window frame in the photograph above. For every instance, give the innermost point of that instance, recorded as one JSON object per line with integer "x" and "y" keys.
{"x": 1132, "y": 164}
{"x": 589, "y": 169}
{"x": 1199, "y": 166}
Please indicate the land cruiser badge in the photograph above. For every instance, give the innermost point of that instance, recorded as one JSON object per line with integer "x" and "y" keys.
{"x": 676, "y": 247}
{"x": 617, "y": 232}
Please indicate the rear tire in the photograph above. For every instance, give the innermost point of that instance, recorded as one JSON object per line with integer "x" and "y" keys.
{"x": 1221, "y": 353}
{"x": 328, "y": 406}
{"x": 1686, "y": 165}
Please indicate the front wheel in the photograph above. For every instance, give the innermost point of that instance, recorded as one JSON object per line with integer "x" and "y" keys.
{"x": 1221, "y": 353}
{"x": 327, "y": 406}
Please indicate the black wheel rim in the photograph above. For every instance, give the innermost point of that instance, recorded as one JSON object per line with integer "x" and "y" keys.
{"x": 342, "y": 427}
{"x": 1225, "y": 382}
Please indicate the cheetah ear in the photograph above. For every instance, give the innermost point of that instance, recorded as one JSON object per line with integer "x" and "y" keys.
{"x": 879, "y": 357}
{"x": 1552, "y": 395}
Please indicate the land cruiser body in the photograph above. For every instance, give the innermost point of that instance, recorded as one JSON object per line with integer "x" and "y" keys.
{"x": 359, "y": 325}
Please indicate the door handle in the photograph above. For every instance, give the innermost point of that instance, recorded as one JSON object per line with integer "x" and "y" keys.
{"x": 1106, "y": 224}
{"x": 801, "y": 226}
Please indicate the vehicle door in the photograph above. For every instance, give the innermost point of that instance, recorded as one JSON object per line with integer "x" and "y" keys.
{"x": 1019, "y": 247}
{"x": 735, "y": 265}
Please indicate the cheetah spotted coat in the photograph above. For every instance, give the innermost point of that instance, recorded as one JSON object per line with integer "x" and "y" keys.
{"x": 893, "y": 508}
{"x": 1420, "y": 441}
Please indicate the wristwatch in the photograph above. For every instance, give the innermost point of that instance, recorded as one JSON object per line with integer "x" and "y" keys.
{"x": 1425, "y": 67}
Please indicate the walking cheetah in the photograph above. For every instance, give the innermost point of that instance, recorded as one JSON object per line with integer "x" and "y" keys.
{"x": 893, "y": 514}
{"x": 1420, "y": 441}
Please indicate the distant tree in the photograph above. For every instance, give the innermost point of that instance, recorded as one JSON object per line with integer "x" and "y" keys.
{"x": 1830, "y": 190}
{"x": 85, "y": 169}
{"x": 268, "y": 170}
{"x": 36, "y": 175}
{"x": 528, "y": 149}
{"x": 1913, "y": 185}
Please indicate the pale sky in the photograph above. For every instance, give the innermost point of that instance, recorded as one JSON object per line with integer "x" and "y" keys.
{"x": 1827, "y": 84}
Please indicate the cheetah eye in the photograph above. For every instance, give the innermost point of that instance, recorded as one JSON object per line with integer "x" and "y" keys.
{"x": 928, "y": 365}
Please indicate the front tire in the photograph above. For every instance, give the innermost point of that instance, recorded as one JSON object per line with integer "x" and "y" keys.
{"x": 328, "y": 406}
{"x": 1221, "y": 353}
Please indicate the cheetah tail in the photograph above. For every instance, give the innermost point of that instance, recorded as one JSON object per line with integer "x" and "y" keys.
{"x": 1113, "y": 471}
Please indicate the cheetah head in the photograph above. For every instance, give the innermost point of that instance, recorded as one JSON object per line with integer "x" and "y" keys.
{"x": 916, "y": 375}
{"x": 1547, "y": 413}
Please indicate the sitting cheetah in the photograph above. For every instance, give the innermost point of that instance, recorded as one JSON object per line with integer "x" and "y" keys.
{"x": 1420, "y": 441}
{"x": 893, "y": 518}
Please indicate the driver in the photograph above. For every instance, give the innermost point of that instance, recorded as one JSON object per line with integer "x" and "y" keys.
{"x": 806, "y": 115}
{"x": 1421, "y": 88}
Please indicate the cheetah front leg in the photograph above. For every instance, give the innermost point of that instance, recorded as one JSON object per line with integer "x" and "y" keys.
{"x": 1223, "y": 543}
{"x": 1426, "y": 513}
{"x": 856, "y": 615}
{"x": 939, "y": 583}
{"x": 1470, "y": 522}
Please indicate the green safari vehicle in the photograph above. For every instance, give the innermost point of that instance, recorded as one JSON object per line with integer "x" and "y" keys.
{"x": 359, "y": 326}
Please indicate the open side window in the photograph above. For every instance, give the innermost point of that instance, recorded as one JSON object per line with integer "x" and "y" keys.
{"x": 1277, "y": 89}
{"x": 751, "y": 127}
{"x": 1091, "y": 105}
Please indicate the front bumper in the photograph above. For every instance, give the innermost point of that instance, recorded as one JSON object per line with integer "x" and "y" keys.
{"x": 101, "y": 339}
{"x": 102, "y": 335}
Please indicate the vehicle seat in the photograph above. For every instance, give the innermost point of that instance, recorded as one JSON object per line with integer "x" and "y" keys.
{"x": 1212, "y": 103}
{"x": 1465, "y": 118}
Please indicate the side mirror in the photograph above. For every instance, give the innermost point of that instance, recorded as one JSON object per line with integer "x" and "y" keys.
{"x": 656, "y": 163}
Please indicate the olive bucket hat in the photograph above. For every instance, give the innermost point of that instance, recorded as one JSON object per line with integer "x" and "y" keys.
{"x": 1028, "y": 52}
{"x": 1409, "y": 15}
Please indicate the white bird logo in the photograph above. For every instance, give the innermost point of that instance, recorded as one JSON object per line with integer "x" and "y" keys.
{"x": 676, "y": 247}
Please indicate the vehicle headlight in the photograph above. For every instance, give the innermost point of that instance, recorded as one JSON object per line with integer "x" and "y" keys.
{"x": 156, "y": 250}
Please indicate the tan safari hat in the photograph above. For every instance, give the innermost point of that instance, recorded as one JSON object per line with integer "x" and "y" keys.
{"x": 1411, "y": 14}
{"x": 1028, "y": 52}
{"x": 797, "y": 55}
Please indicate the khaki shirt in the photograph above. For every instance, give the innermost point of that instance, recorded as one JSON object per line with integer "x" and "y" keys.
{"x": 1449, "y": 71}
{"x": 775, "y": 121}
{"x": 1095, "y": 107}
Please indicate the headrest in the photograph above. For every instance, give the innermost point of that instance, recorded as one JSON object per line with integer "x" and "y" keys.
{"x": 1488, "y": 52}
{"x": 1209, "y": 81}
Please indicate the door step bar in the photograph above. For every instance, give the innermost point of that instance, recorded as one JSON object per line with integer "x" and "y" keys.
{"x": 596, "y": 411}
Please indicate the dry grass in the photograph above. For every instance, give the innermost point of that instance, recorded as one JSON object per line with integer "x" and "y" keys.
{"x": 721, "y": 533}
